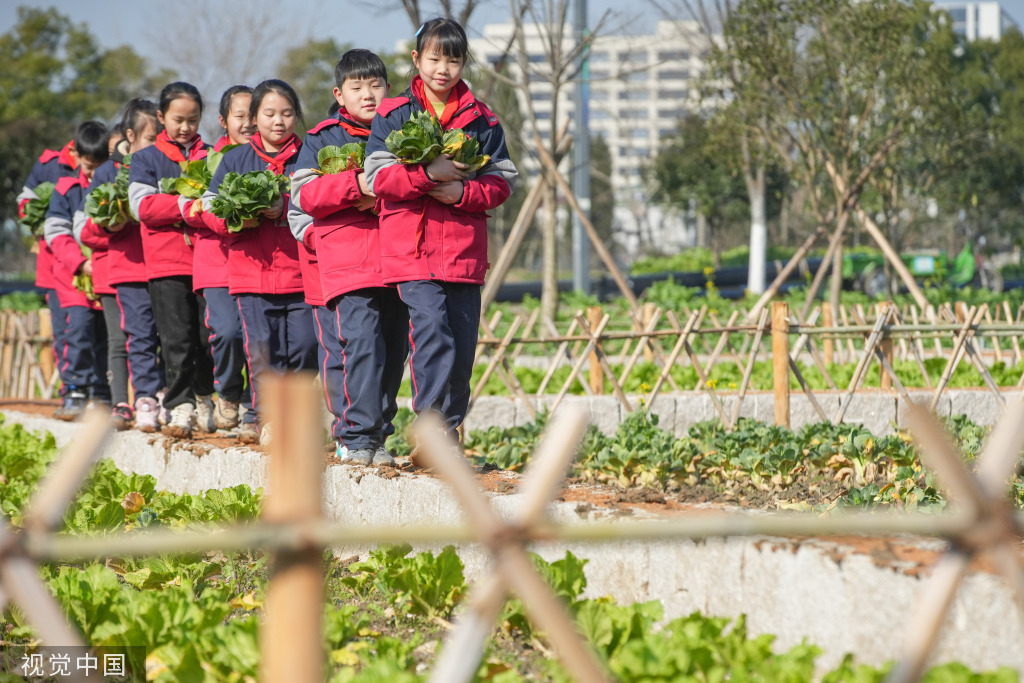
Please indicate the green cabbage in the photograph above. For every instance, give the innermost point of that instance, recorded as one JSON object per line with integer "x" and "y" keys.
{"x": 107, "y": 203}
{"x": 35, "y": 209}
{"x": 348, "y": 157}
{"x": 242, "y": 197}
{"x": 418, "y": 141}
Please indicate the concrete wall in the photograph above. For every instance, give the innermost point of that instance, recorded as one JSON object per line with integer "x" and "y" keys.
{"x": 826, "y": 592}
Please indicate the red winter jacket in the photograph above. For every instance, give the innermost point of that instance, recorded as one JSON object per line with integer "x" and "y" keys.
{"x": 51, "y": 166}
{"x": 167, "y": 240}
{"x": 263, "y": 259}
{"x": 68, "y": 258}
{"x": 347, "y": 240}
{"x": 420, "y": 237}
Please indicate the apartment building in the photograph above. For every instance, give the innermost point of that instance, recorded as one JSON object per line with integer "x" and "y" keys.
{"x": 978, "y": 20}
{"x": 639, "y": 88}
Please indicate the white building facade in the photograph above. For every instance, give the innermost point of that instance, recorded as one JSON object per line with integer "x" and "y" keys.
{"x": 978, "y": 20}
{"x": 640, "y": 86}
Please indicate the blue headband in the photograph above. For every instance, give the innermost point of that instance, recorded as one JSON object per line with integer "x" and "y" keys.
{"x": 420, "y": 29}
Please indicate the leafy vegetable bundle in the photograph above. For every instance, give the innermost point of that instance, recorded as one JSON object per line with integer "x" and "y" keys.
{"x": 107, "y": 204}
{"x": 35, "y": 209}
{"x": 195, "y": 175}
{"x": 241, "y": 197}
{"x": 348, "y": 157}
{"x": 421, "y": 139}
{"x": 83, "y": 282}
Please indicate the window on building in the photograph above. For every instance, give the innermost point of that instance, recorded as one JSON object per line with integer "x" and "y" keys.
{"x": 674, "y": 113}
{"x": 674, "y": 74}
{"x": 633, "y": 113}
{"x": 668, "y": 95}
{"x": 598, "y": 95}
{"x": 666, "y": 132}
{"x": 633, "y": 95}
{"x": 668, "y": 55}
{"x": 636, "y": 76}
{"x": 635, "y": 56}
{"x": 600, "y": 56}
{"x": 540, "y": 96}
{"x": 958, "y": 14}
{"x": 638, "y": 133}
{"x": 599, "y": 114}
{"x": 542, "y": 115}
{"x": 536, "y": 58}
{"x": 598, "y": 74}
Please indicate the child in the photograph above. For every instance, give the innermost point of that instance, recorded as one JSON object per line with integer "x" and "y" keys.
{"x": 363, "y": 329}
{"x": 433, "y": 223}
{"x": 85, "y": 339}
{"x": 263, "y": 262}
{"x": 167, "y": 248}
{"x": 210, "y": 280}
{"x": 51, "y": 166}
{"x": 130, "y": 313}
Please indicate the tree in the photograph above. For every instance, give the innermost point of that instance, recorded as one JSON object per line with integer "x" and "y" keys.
{"x": 448, "y": 9}
{"x": 56, "y": 76}
{"x": 309, "y": 68}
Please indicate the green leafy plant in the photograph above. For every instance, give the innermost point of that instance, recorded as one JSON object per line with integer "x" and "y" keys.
{"x": 418, "y": 141}
{"x": 82, "y": 281}
{"x": 464, "y": 149}
{"x": 348, "y": 157}
{"x": 195, "y": 175}
{"x": 242, "y": 197}
{"x": 35, "y": 209}
{"x": 107, "y": 203}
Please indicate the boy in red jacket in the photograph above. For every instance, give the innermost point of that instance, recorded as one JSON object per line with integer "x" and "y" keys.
{"x": 369, "y": 321}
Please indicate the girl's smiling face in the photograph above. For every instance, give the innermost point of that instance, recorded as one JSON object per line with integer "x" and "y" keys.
{"x": 275, "y": 120}
{"x": 181, "y": 120}
{"x": 440, "y": 73}
{"x": 237, "y": 121}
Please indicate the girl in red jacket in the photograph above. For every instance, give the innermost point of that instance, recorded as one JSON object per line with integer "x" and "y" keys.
{"x": 210, "y": 280}
{"x": 433, "y": 221}
{"x": 263, "y": 259}
{"x": 167, "y": 243}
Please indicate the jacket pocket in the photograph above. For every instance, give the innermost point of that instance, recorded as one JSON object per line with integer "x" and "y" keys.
{"x": 401, "y": 225}
{"x": 464, "y": 236}
{"x": 343, "y": 247}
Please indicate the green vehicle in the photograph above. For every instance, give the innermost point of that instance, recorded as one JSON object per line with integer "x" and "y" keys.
{"x": 866, "y": 271}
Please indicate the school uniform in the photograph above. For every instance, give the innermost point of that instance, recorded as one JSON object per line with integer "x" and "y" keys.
{"x": 167, "y": 243}
{"x": 51, "y": 166}
{"x": 436, "y": 253}
{"x": 84, "y": 362}
{"x": 264, "y": 275}
{"x": 126, "y": 274}
{"x": 96, "y": 238}
{"x": 369, "y": 324}
{"x": 210, "y": 281}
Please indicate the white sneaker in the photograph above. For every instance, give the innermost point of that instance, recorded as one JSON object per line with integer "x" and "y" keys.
{"x": 204, "y": 414}
{"x": 164, "y": 415}
{"x": 182, "y": 421}
{"x": 146, "y": 414}
{"x": 226, "y": 415}
{"x": 265, "y": 435}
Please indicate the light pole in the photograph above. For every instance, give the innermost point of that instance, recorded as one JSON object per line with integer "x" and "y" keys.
{"x": 581, "y": 156}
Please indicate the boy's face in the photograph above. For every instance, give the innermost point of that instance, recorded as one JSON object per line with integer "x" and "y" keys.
{"x": 88, "y": 165}
{"x": 361, "y": 96}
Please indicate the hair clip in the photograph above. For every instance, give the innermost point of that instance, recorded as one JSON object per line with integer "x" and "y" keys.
{"x": 420, "y": 29}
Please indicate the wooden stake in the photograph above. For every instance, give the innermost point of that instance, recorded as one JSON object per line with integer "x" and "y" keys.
{"x": 885, "y": 381}
{"x": 290, "y": 639}
{"x": 780, "y": 361}
{"x": 828, "y": 345}
{"x": 594, "y": 315}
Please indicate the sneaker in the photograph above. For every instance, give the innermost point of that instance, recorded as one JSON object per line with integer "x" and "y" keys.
{"x": 357, "y": 456}
{"x": 182, "y": 421}
{"x": 164, "y": 416}
{"x": 248, "y": 432}
{"x": 225, "y": 414}
{"x": 265, "y": 435}
{"x": 74, "y": 405}
{"x": 121, "y": 416}
{"x": 382, "y": 457}
{"x": 147, "y": 413}
{"x": 204, "y": 414}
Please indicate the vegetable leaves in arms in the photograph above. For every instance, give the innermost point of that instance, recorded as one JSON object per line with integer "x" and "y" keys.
{"x": 107, "y": 204}
{"x": 348, "y": 157}
{"x": 242, "y": 197}
{"x": 35, "y": 209}
{"x": 421, "y": 139}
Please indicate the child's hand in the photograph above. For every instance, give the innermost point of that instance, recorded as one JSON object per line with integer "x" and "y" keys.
{"x": 87, "y": 267}
{"x": 250, "y": 223}
{"x": 448, "y": 193}
{"x": 363, "y": 187}
{"x": 442, "y": 169}
{"x": 116, "y": 227}
{"x": 276, "y": 209}
{"x": 366, "y": 202}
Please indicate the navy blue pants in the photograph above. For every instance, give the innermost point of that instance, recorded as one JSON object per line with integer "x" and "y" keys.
{"x": 329, "y": 362}
{"x": 144, "y": 369}
{"x": 280, "y": 336}
{"x": 178, "y": 313}
{"x": 58, "y": 320}
{"x": 371, "y": 328}
{"x": 227, "y": 345}
{"x": 86, "y": 351}
{"x": 443, "y": 323}
{"x": 117, "y": 354}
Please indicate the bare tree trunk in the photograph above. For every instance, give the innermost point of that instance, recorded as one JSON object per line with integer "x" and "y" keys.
{"x": 837, "y": 277}
{"x": 549, "y": 276}
{"x": 758, "y": 230}
{"x": 702, "y": 230}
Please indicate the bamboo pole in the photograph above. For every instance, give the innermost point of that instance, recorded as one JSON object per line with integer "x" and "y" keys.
{"x": 574, "y": 373}
{"x": 828, "y": 345}
{"x": 780, "y": 361}
{"x": 886, "y": 350}
{"x": 290, "y": 638}
{"x": 605, "y": 368}
{"x": 745, "y": 382}
{"x": 594, "y": 315}
{"x": 784, "y": 274}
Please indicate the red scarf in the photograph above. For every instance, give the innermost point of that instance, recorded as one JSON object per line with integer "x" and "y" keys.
{"x": 173, "y": 151}
{"x": 66, "y": 157}
{"x": 455, "y": 97}
{"x": 355, "y": 128}
{"x": 276, "y": 163}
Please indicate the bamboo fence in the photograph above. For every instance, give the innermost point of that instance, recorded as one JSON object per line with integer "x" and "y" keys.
{"x": 981, "y": 520}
